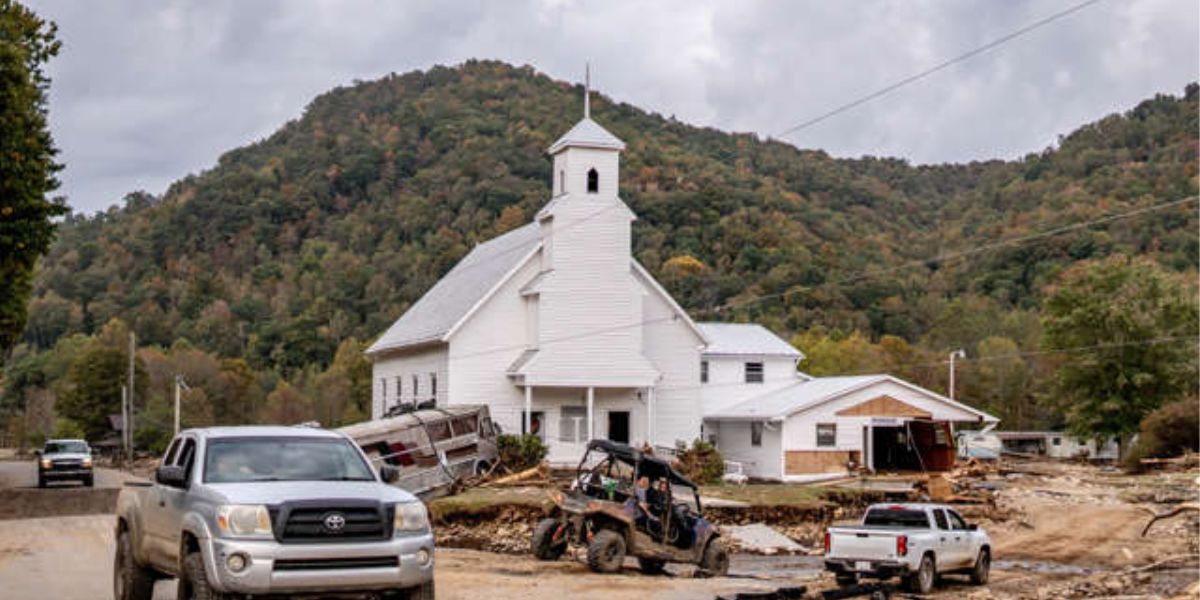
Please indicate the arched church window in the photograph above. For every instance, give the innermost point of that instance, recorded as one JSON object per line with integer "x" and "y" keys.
{"x": 593, "y": 181}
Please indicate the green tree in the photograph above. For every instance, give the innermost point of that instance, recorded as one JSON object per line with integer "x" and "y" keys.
{"x": 27, "y": 163}
{"x": 1139, "y": 323}
{"x": 93, "y": 389}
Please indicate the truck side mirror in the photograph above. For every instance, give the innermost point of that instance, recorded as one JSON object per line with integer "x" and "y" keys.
{"x": 972, "y": 527}
{"x": 171, "y": 475}
{"x": 389, "y": 474}
{"x": 37, "y": 452}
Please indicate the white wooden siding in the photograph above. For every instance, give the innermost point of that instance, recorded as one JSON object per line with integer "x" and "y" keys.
{"x": 727, "y": 382}
{"x": 420, "y": 362}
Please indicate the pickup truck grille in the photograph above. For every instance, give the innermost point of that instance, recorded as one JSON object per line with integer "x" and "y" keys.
{"x": 320, "y": 564}
{"x": 332, "y": 523}
{"x": 69, "y": 464}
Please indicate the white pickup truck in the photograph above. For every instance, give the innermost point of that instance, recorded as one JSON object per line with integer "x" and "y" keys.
{"x": 917, "y": 542}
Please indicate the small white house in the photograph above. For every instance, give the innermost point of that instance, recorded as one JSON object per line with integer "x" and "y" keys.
{"x": 825, "y": 426}
{"x": 744, "y": 360}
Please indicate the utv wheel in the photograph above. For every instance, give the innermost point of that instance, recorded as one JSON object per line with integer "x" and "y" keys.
{"x": 846, "y": 579}
{"x": 983, "y": 567}
{"x": 130, "y": 581}
{"x": 651, "y": 566}
{"x": 921, "y": 581}
{"x": 543, "y": 544}
{"x": 193, "y": 584}
{"x": 716, "y": 558}
{"x": 606, "y": 553}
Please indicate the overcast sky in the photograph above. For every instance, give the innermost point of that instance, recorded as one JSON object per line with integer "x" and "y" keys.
{"x": 147, "y": 91}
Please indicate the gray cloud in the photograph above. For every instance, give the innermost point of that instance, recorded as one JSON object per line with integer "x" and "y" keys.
{"x": 147, "y": 91}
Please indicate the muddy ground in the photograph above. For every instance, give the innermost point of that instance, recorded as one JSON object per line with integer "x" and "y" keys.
{"x": 1061, "y": 531}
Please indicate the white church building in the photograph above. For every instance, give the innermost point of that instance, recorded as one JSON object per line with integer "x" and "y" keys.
{"x": 560, "y": 332}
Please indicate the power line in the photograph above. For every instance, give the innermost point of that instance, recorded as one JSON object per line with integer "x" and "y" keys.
{"x": 947, "y": 63}
{"x": 942, "y": 258}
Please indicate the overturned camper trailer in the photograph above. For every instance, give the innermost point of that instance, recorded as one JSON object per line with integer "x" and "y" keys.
{"x": 432, "y": 448}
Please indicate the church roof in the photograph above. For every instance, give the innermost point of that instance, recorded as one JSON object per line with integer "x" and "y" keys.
{"x": 745, "y": 338}
{"x": 455, "y": 294}
{"x": 588, "y": 134}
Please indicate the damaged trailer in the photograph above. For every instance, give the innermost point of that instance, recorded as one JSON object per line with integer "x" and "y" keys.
{"x": 432, "y": 449}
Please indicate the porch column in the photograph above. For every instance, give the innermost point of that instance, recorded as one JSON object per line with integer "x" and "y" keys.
{"x": 591, "y": 398}
{"x": 528, "y": 408}
{"x": 650, "y": 417}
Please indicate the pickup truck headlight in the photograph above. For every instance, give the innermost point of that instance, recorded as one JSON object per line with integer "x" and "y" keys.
{"x": 244, "y": 520}
{"x": 87, "y": 462}
{"x": 409, "y": 517}
{"x": 46, "y": 464}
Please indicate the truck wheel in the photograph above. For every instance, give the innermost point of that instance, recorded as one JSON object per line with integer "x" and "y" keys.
{"x": 421, "y": 592}
{"x": 983, "y": 567}
{"x": 543, "y": 544}
{"x": 193, "y": 585}
{"x": 606, "y": 553}
{"x": 41, "y": 481}
{"x": 651, "y": 566}
{"x": 921, "y": 581}
{"x": 846, "y": 579}
{"x": 130, "y": 581}
{"x": 716, "y": 558}
{"x": 88, "y": 481}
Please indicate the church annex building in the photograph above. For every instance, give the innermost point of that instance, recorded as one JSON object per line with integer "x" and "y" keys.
{"x": 560, "y": 332}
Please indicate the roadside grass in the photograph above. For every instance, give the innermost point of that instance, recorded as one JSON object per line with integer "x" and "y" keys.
{"x": 776, "y": 494}
{"x": 484, "y": 501}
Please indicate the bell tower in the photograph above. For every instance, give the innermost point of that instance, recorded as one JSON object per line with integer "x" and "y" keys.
{"x": 586, "y": 158}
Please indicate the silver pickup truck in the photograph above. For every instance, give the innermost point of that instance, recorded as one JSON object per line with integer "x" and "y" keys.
{"x": 266, "y": 511}
{"x": 918, "y": 542}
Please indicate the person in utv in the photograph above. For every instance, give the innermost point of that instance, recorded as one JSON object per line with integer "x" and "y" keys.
{"x": 646, "y": 518}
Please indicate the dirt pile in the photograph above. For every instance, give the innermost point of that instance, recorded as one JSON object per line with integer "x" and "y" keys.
{"x": 501, "y": 529}
{"x": 18, "y": 503}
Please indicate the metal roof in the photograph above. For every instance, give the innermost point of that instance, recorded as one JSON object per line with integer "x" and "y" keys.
{"x": 455, "y": 294}
{"x": 588, "y": 134}
{"x": 745, "y": 338}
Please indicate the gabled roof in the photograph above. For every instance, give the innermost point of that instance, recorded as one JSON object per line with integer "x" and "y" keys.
{"x": 456, "y": 294}
{"x": 805, "y": 395}
{"x": 745, "y": 338}
{"x": 588, "y": 134}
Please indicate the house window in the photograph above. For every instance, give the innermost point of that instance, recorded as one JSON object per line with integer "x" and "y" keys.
{"x": 1057, "y": 441}
{"x": 562, "y": 182}
{"x": 826, "y": 435}
{"x": 754, "y": 372}
{"x": 399, "y": 389}
{"x": 383, "y": 390}
{"x": 572, "y": 424}
{"x": 704, "y": 371}
{"x": 593, "y": 181}
{"x": 433, "y": 385}
{"x": 756, "y": 434}
{"x": 416, "y": 387}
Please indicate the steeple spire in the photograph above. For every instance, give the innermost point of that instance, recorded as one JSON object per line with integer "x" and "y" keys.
{"x": 587, "y": 90}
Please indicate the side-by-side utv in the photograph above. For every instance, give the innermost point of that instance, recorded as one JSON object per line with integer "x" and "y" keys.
{"x": 601, "y": 512}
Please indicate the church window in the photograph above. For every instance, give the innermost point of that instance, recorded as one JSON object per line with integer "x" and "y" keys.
{"x": 593, "y": 181}
{"x": 562, "y": 182}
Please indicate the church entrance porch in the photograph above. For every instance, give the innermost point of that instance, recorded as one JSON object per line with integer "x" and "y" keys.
{"x": 566, "y": 418}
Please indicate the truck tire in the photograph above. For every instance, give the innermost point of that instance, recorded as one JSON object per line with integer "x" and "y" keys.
{"x": 543, "y": 545}
{"x": 606, "y": 553}
{"x": 88, "y": 481}
{"x": 716, "y": 558}
{"x": 41, "y": 481}
{"x": 651, "y": 566}
{"x": 130, "y": 581}
{"x": 983, "y": 567}
{"x": 421, "y": 592}
{"x": 193, "y": 583}
{"x": 921, "y": 580}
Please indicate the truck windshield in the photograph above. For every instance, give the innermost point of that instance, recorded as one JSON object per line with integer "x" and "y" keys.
{"x": 236, "y": 460}
{"x": 896, "y": 518}
{"x": 65, "y": 447}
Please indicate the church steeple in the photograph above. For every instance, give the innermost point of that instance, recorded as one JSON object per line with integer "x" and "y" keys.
{"x": 586, "y": 158}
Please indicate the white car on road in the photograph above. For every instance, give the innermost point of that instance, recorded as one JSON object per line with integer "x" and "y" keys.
{"x": 917, "y": 542}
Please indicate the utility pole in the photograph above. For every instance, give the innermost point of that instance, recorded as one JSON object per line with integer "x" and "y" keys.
{"x": 125, "y": 421}
{"x": 180, "y": 385}
{"x": 129, "y": 385}
{"x": 956, "y": 354}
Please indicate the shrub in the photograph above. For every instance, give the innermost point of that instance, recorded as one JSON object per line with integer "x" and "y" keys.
{"x": 520, "y": 452}
{"x": 1168, "y": 431}
{"x": 702, "y": 463}
{"x": 68, "y": 429}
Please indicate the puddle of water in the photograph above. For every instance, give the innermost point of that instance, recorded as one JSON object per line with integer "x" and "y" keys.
{"x": 1042, "y": 567}
{"x": 776, "y": 566}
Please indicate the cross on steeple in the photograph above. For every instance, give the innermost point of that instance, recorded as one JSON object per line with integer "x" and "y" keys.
{"x": 587, "y": 90}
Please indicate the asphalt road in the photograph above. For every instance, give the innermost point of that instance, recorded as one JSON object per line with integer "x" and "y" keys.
{"x": 23, "y": 474}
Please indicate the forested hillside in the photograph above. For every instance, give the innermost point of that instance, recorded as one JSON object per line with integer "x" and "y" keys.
{"x": 322, "y": 234}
